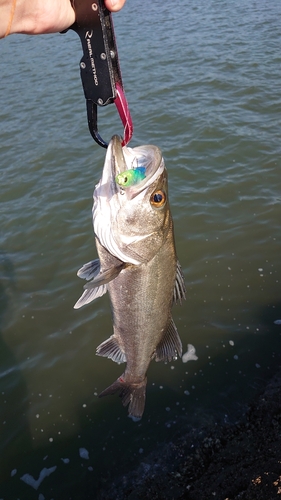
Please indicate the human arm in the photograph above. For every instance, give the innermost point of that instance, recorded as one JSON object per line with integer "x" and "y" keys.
{"x": 34, "y": 17}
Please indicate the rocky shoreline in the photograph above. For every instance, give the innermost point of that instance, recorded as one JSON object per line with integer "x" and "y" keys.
{"x": 240, "y": 461}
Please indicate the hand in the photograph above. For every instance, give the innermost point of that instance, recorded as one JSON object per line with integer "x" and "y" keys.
{"x": 34, "y": 17}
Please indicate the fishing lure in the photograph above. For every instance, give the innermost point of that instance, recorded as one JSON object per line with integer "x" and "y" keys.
{"x": 130, "y": 177}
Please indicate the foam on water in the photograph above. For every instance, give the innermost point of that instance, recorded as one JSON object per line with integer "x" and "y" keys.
{"x": 35, "y": 483}
{"x": 190, "y": 354}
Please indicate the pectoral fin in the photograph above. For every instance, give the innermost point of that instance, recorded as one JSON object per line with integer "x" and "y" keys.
{"x": 170, "y": 346}
{"x": 88, "y": 272}
{"x": 179, "y": 289}
{"x": 104, "y": 277}
{"x": 97, "y": 286}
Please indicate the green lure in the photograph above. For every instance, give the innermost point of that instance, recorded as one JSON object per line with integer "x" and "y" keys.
{"x": 130, "y": 177}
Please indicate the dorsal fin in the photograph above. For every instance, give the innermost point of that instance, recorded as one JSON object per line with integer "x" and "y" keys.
{"x": 170, "y": 346}
{"x": 179, "y": 289}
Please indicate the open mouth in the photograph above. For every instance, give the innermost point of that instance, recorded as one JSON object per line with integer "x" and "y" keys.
{"x": 135, "y": 167}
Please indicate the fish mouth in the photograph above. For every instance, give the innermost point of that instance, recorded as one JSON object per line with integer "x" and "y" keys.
{"x": 114, "y": 204}
{"x": 144, "y": 163}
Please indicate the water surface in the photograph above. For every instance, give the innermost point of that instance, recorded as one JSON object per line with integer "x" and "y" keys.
{"x": 203, "y": 83}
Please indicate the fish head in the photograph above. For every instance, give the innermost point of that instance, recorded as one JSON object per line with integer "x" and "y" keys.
{"x": 131, "y": 216}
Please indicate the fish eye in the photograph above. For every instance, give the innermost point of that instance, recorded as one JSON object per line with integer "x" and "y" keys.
{"x": 158, "y": 199}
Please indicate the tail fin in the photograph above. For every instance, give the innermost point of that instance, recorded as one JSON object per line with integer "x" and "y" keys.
{"x": 131, "y": 394}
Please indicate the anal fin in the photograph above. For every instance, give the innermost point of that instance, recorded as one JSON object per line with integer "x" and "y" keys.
{"x": 111, "y": 349}
{"x": 170, "y": 346}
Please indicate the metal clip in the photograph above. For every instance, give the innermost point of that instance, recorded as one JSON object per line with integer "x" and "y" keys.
{"x": 99, "y": 66}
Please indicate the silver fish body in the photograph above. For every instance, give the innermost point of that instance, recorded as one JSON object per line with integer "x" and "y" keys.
{"x": 138, "y": 266}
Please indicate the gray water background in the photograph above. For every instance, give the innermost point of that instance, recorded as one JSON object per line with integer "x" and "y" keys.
{"x": 203, "y": 83}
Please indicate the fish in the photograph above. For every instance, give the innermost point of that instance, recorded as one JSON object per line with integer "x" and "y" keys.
{"x": 138, "y": 266}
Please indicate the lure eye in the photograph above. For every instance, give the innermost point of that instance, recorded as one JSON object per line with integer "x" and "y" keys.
{"x": 158, "y": 199}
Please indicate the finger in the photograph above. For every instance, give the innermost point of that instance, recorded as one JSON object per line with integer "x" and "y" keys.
{"x": 114, "y": 5}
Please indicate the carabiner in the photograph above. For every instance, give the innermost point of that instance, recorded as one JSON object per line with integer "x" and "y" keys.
{"x": 99, "y": 66}
{"x": 124, "y": 113}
